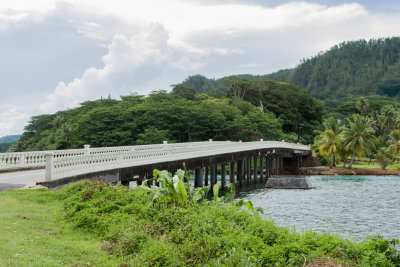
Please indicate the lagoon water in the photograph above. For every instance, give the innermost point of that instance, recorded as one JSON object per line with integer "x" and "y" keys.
{"x": 350, "y": 206}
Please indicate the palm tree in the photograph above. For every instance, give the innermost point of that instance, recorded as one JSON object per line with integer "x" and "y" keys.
{"x": 362, "y": 105}
{"x": 358, "y": 138}
{"x": 395, "y": 143}
{"x": 334, "y": 126}
{"x": 327, "y": 142}
{"x": 388, "y": 118}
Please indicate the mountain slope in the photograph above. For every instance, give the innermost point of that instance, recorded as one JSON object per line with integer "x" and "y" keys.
{"x": 350, "y": 69}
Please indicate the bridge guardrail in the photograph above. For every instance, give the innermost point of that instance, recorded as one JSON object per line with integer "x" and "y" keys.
{"x": 32, "y": 159}
{"x": 62, "y": 167}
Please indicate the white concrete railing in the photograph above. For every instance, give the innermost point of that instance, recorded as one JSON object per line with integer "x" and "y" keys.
{"x": 18, "y": 160}
{"x": 57, "y": 168}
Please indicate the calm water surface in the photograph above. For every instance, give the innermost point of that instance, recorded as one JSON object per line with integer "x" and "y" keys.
{"x": 351, "y": 206}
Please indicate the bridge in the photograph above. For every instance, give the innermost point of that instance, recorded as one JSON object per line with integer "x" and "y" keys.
{"x": 246, "y": 162}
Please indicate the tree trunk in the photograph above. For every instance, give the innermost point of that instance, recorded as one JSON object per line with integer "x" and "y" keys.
{"x": 332, "y": 160}
{"x": 352, "y": 159}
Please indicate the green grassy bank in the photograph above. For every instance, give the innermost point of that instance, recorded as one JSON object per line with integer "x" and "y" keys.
{"x": 33, "y": 232}
{"x": 97, "y": 224}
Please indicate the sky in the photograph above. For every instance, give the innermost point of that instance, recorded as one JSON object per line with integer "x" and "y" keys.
{"x": 57, "y": 54}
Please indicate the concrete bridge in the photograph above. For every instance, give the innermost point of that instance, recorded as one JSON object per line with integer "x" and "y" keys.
{"x": 136, "y": 163}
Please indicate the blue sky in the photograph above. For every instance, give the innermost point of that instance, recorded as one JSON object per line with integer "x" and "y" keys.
{"x": 56, "y": 54}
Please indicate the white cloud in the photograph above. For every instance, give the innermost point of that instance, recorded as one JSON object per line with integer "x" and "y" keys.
{"x": 185, "y": 37}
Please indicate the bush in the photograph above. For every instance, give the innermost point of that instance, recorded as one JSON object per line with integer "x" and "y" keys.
{"x": 205, "y": 233}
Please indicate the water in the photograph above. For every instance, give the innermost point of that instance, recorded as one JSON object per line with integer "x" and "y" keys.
{"x": 350, "y": 206}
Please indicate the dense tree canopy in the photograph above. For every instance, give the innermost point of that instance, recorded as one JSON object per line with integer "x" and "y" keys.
{"x": 350, "y": 69}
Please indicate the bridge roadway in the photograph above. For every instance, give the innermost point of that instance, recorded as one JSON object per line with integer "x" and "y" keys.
{"x": 18, "y": 179}
{"x": 130, "y": 162}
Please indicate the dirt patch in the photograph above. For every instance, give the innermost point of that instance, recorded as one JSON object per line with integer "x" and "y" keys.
{"x": 325, "y": 263}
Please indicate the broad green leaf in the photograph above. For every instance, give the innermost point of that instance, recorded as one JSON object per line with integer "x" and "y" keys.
{"x": 215, "y": 191}
{"x": 249, "y": 205}
{"x": 181, "y": 193}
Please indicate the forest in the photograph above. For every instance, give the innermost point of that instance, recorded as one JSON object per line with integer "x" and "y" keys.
{"x": 348, "y": 70}
{"x": 250, "y": 109}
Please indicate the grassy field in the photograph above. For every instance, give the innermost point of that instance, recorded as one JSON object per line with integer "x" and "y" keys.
{"x": 33, "y": 233}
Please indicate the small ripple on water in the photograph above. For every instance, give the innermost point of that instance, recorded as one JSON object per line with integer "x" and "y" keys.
{"x": 351, "y": 206}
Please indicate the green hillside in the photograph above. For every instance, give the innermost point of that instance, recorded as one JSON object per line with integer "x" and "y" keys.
{"x": 350, "y": 69}
{"x": 9, "y": 138}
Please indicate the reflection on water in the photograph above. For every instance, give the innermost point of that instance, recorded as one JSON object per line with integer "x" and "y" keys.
{"x": 351, "y": 206}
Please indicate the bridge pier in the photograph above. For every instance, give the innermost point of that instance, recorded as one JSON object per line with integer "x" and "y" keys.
{"x": 198, "y": 177}
{"x": 261, "y": 167}
{"x": 223, "y": 173}
{"x": 248, "y": 169}
{"x": 232, "y": 172}
{"x": 255, "y": 163}
{"x": 213, "y": 175}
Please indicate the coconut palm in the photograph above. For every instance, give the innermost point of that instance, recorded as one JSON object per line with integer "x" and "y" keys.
{"x": 362, "y": 104}
{"x": 358, "y": 137}
{"x": 388, "y": 118}
{"x": 327, "y": 142}
{"x": 334, "y": 126}
{"x": 394, "y": 142}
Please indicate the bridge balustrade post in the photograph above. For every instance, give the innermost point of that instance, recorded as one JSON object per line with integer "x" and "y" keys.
{"x": 86, "y": 149}
{"x": 223, "y": 176}
{"x": 49, "y": 167}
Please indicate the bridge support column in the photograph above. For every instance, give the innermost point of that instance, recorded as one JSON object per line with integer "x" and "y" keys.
{"x": 232, "y": 172}
{"x": 248, "y": 169}
{"x": 198, "y": 177}
{"x": 255, "y": 165}
{"x": 223, "y": 174}
{"x": 261, "y": 167}
{"x": 277, "y": 159}
{"x": 240, "y": 167}
{"x": 206, "y": 176}
{"x": 125, "y": 183}
{"x": 213, "y": 175}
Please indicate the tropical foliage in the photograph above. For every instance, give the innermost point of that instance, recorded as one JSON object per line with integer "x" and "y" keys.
{"x": 205, "y": 233}
{"x": 355, "y": 68}
{"x": 263, "y": 110}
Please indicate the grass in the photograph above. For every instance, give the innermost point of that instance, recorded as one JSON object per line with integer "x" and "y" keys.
{"x": 98, "y": 224}
{"x": 34, "y": 233}
{"x": 365, "y": 165}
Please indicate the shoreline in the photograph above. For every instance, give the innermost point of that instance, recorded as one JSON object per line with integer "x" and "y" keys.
{"x": 345, "y": 171}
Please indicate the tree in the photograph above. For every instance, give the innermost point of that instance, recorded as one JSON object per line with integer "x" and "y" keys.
{"x": 183, "y": 91}
{"x": 358, "y": 137}
{"x": 394, "y": 143}
{"x": 152, "y": 135}
{"x": 334, "y": 126}
{"x": 362, "y": 105}
{"x": 388, "y": 118}
{"x": 327, "y": 142}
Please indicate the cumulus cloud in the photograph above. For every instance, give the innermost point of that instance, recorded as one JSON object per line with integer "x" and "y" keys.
{"x": 184, "y": 37}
